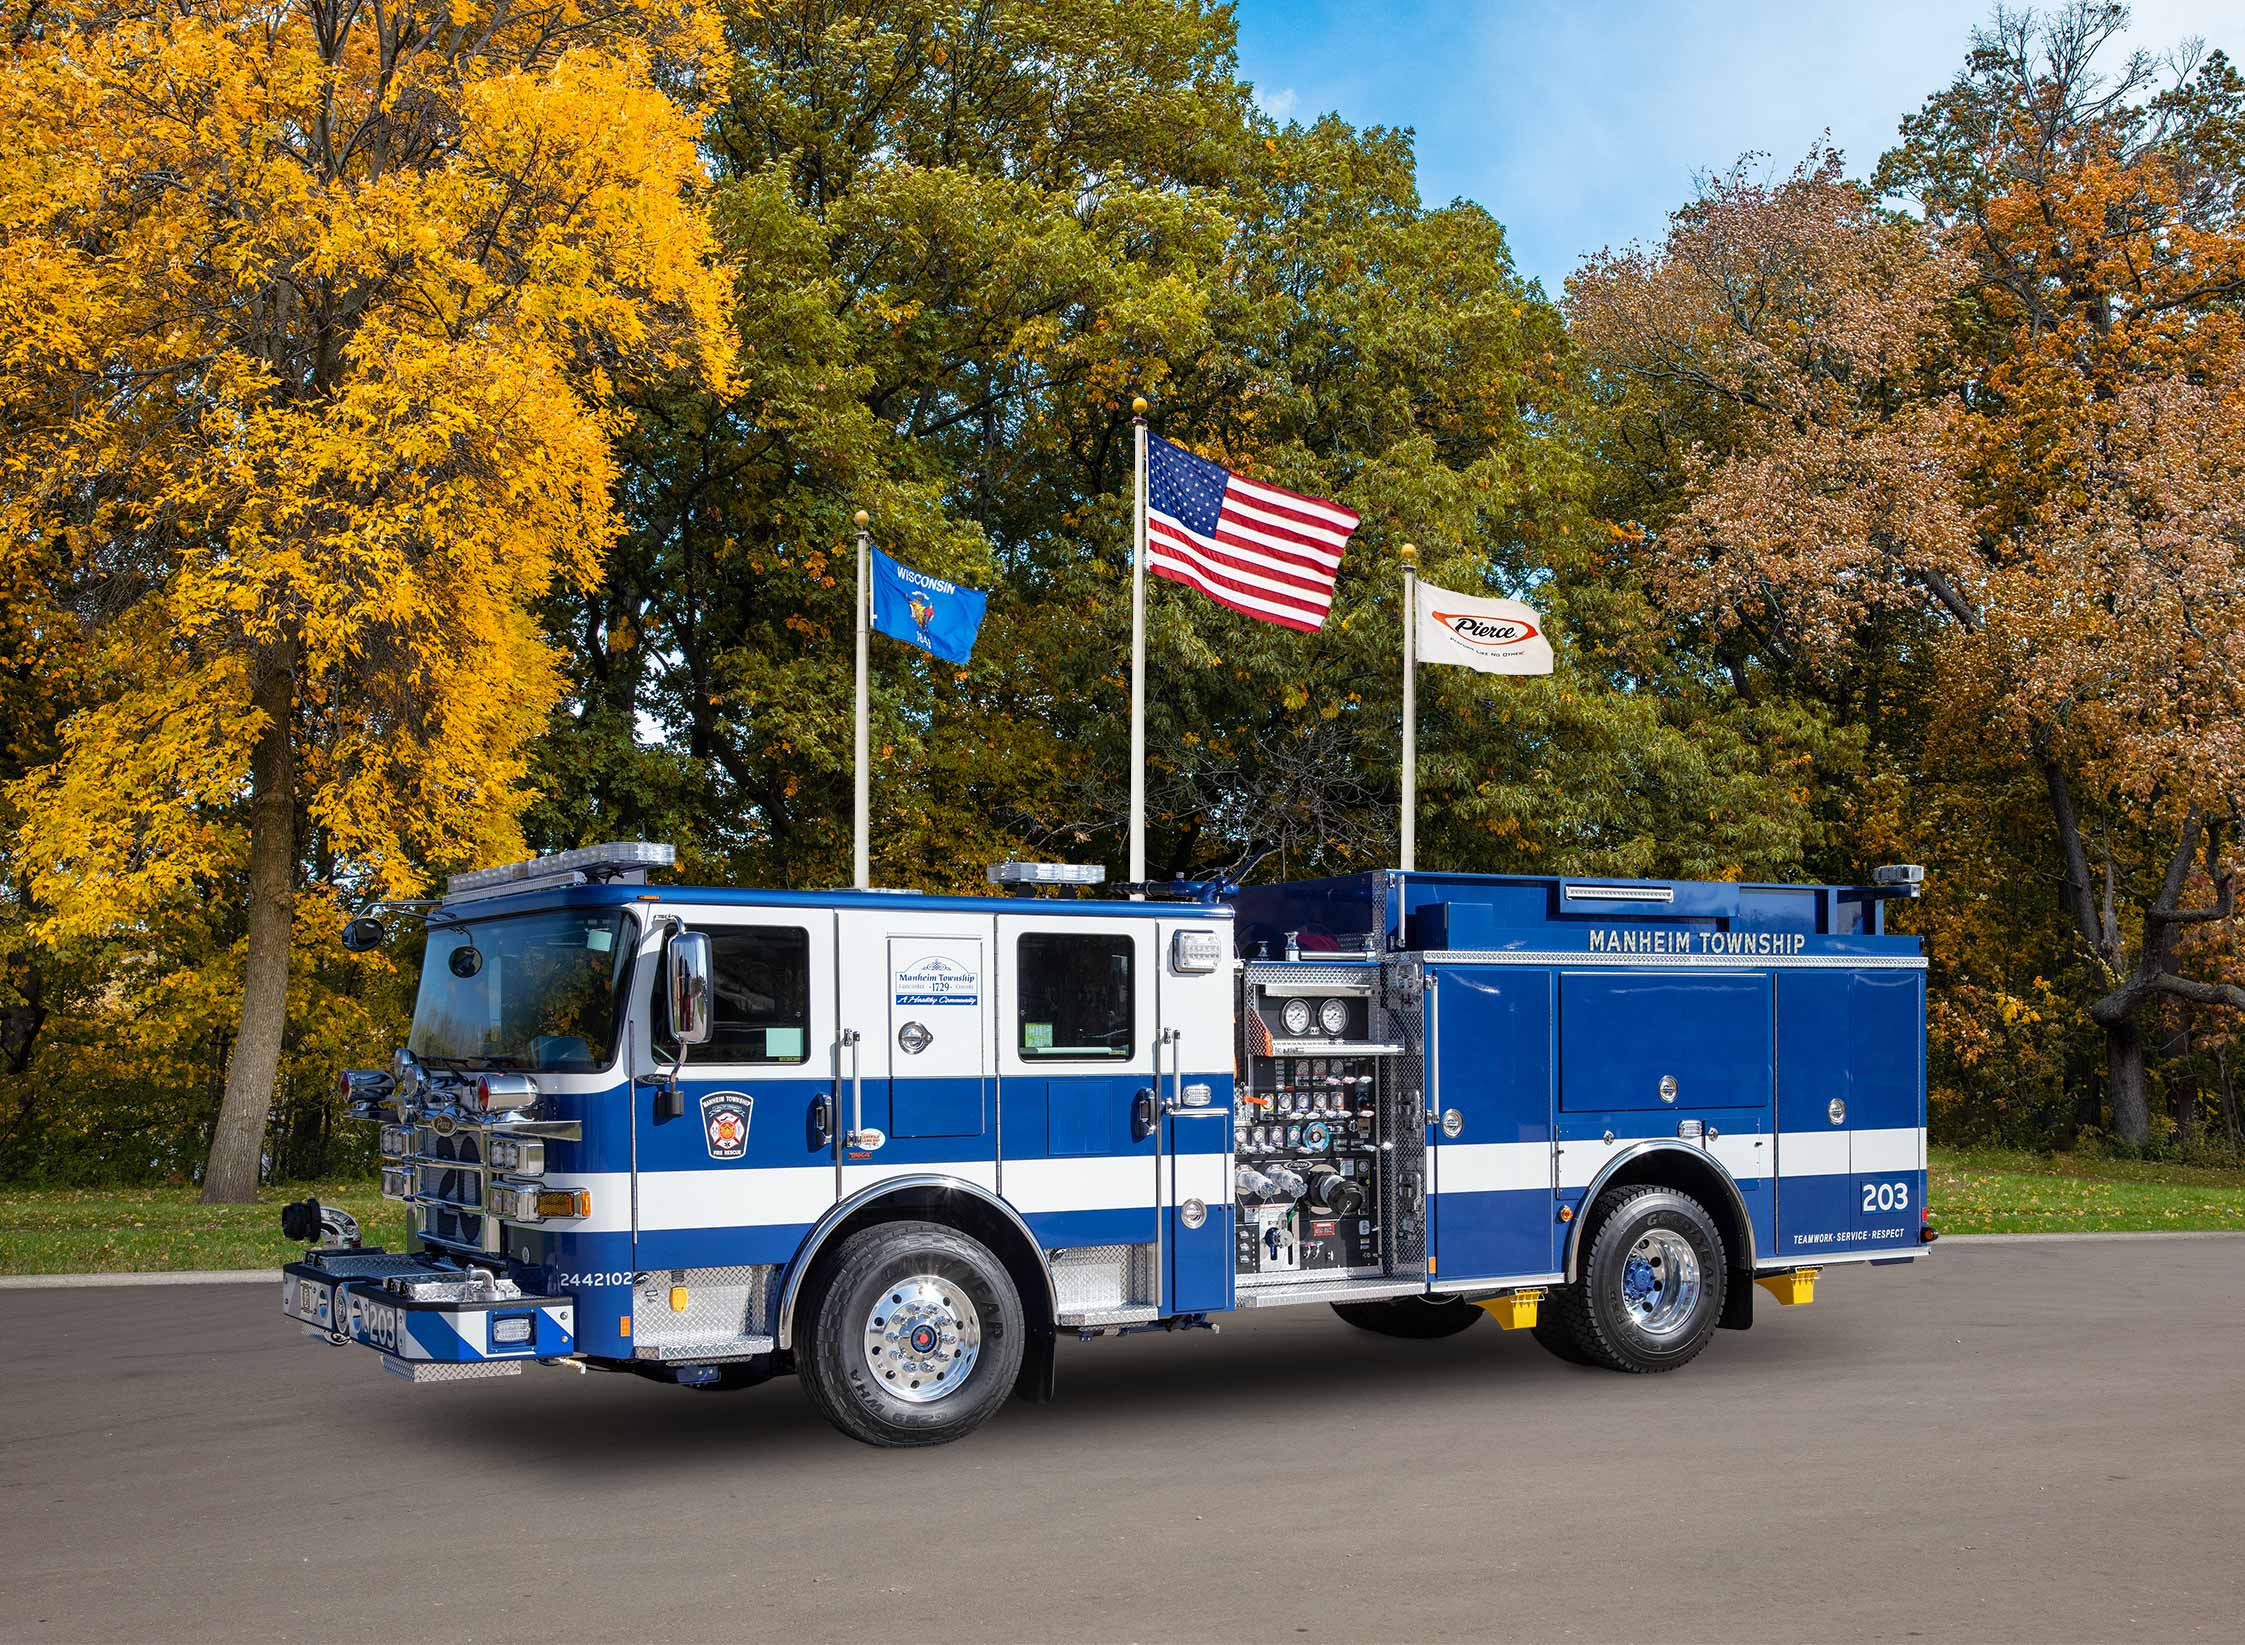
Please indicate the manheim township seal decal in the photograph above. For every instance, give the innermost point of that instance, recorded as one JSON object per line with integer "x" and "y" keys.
{"x": 725, "y": 1123}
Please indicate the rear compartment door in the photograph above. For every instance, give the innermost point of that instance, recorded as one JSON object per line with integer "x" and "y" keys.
{"x": 1196, "y": 1106}
{"x": 1489, "y": 1092}
{"x": 1850, "y": 1111}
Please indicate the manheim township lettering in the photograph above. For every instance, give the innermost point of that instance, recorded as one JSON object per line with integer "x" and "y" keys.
{"x": 1696, "y": 942}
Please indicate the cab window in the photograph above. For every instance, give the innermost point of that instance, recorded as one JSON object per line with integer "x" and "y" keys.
{"x": 761, "y": 983}
{"x": 1078, "y": 996}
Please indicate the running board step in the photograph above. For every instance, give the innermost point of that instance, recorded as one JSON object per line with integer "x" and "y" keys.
{"x": 1108, "y": 1316}
{"x": 1295, "y": 1293}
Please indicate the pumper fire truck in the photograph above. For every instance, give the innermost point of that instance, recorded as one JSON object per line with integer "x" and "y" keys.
{"x": 904, "y": 1144}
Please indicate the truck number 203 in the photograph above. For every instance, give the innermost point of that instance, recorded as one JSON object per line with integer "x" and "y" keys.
{"x": 1886, "y": 1196}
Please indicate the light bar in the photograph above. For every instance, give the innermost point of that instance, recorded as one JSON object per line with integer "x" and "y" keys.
{"x": 616, "y": 857}
{"x": 1898, "y": 873}
{"x": 1047, "y": 873}
{"x": 1621, "y": 893}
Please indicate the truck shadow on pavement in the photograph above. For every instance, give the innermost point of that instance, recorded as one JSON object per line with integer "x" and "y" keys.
{"x": 622, "y": 1426}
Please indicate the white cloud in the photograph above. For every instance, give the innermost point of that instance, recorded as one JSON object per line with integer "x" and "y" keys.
{"x": 1279, "y": 104}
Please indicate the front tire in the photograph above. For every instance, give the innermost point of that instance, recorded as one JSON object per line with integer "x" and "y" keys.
{"x": 1419, "y": 1318}
{"x": 915, "y": 1338}
{"x": 1651, "y": 1286}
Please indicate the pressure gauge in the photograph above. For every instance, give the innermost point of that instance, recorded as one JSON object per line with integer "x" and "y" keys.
{"x": 1333, "y": 1016}
{"x": 1297, "y": 1016}
{"x": 1315, "y": 1135}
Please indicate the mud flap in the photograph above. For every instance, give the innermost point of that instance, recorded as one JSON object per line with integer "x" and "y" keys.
{"x": 1738, "y": 1302}
{"x": 1040, "y": 1368}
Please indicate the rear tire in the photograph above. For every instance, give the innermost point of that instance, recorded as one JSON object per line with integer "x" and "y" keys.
{"x": 1418, "y": 1318}
{"x": 1651, "y": 1289}
{"x": 915, "y": 1336}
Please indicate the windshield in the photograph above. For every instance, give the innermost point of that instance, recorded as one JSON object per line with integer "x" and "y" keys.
{"x": 538, "y": 991}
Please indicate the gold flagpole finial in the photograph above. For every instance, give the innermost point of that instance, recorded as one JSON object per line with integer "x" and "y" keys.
{"x": 1138, "y": 405}
{"x": 862, "y": 519}
{"x": 1408, "y": 553}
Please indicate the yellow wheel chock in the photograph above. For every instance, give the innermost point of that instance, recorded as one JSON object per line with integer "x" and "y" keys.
{"x": 1798, "y": 1286}
{"x": 1515, "y": 1311}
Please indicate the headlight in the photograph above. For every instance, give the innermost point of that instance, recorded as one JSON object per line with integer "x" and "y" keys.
{"x": 397, "y": 1182}
{"x": 397, "y": 1140}
{"x": 514, "y": 1154}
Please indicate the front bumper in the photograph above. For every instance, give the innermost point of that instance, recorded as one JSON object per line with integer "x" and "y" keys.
{"x": 429, "y": 1320}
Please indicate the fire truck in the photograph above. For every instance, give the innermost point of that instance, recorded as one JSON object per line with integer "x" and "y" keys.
{"x": 902, "y": 1145}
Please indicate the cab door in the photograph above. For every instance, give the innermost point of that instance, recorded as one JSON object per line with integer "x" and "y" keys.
{"x": 1077, "y": 1045}
{"x": 734, "y": 1167}
{"x": 918, "y": 1007}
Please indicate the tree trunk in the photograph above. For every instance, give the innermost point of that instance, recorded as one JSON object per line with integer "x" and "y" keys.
{"x": 2124, "y": 1083}
{"x": 2229, "y": 1097}
{"x": 236, "y": 1144}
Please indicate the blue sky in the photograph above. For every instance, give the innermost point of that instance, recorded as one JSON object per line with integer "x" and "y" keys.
{"x": 1581, "y": 126}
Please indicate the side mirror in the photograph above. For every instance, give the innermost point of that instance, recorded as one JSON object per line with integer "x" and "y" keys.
{"x": 686, "y": 974}
{"x": 363, "y": 935}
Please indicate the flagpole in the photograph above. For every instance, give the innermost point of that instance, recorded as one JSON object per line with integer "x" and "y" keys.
{"x": 1138, "y": 649}
{"x": 1410, "y": 558}
{"x": 860, "y": 827}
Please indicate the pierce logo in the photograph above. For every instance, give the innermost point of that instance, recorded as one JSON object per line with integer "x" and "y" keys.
{"x": 1487, "y": 633}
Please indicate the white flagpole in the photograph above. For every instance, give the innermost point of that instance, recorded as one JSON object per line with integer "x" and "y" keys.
{"x": 861, "y": 829}
{"x": 1410, "y": 557}
{"x": 1138, "y": 651}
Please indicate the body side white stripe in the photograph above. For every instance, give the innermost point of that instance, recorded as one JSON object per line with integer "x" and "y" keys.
{"x": 1491, "y": 1167}
{"x": 1812, "y": 1153}
{"x": 1101, "y": 1182}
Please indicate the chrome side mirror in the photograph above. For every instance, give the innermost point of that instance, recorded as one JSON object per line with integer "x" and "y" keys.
{"x": 363, "y": 935}
{"x": 686, "y": 974}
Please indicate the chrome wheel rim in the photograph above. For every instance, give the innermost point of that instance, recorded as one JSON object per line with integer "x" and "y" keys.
{"x": 1660, "y": 1283}
{"x": 922, "y": 1337}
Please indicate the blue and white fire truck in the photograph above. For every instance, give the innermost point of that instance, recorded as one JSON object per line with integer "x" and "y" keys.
{"x": 902, "y": 1144}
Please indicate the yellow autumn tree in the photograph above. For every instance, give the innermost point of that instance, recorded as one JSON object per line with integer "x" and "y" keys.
{"x": 314, "y": 321}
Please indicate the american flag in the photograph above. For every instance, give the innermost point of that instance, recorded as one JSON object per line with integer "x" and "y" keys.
{"x": 1257, "y": 548}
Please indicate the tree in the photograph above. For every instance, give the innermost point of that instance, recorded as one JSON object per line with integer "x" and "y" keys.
{"x": 966, "y": 234}
{"x": 1994, "y": 450}
{"x": 317, "y": 314}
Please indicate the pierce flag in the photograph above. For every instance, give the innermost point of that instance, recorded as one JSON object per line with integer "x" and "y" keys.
{"x": 939, "y": 617}
{"x": 1494, "y": 636}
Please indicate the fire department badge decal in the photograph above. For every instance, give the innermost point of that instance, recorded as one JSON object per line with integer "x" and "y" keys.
{"x": 725, "y": 1123}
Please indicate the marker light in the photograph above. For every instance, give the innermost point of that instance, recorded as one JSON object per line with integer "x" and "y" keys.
{"x": 497, "y": 1092}
{"x": 564, "y": 1202}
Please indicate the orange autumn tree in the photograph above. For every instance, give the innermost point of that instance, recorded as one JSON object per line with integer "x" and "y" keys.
{"x": 2000, "y": 448}
{"x": 314, "y": 320}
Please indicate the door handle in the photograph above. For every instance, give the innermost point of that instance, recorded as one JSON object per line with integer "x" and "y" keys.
{"x": 858, "y": 1136}
{"x": 1142, "y": 1109}
{"x": 822, "y": 1121}
{"x": 1174, "y": 1039}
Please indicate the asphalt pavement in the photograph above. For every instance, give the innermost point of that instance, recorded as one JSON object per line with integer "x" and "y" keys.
{"x": 2027, "y": 1442}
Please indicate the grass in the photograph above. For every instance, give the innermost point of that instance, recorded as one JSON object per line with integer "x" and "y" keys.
{"x": 1974, "y": 1191}
{"x": 150, "y": 1230}
{"x": 1989, "y": 1191}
